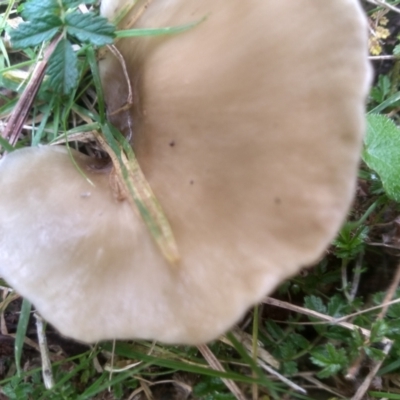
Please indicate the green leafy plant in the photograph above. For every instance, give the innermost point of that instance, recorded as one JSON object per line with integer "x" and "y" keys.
{"x": 331, "y": 359}
{"x": 49, "y": 18}
{"x": 302, "y": 345}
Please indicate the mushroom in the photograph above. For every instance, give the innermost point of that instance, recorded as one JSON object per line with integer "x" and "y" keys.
{"x": 248, "y": 128}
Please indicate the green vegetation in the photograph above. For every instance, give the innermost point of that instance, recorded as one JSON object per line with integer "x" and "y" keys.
{"x": 330, "y": 332}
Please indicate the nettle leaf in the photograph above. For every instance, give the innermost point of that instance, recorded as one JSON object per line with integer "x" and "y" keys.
{"x": 331, "y": 359}
{"x": 33, "y": 9}
{"x": 35, "y": 32}
{"x": 382, "y": 152}
{"x": 63, "y": 68}
{"x": 90, "y": 28}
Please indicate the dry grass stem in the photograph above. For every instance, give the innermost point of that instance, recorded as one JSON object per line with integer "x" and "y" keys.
{"x": 315, "y": 314}
{"x": 309, "y": 376}
{"x": 215, "y": 364}
{"x": 367, "y": 381}
{"x": 390, "y": 293}
{"x": 20, "y": 112}
{"x": 282, "y": 378}
{"x": 44, "y": 353}
{"x": 385, "y": 4}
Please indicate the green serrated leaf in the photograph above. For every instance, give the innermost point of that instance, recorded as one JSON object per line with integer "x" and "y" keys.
{"x": 350, "y": 242}
{"x": 289, "y": 368}
{"x": 32, "y": 9}
{"x": 63, "y": 68}
{"x": 378, "y": 330}
{"x": 287, "y": 350}
{"x": 315, "y": 303}
{"x": 358, "y": 338}
{"x": 35, "y": 32}
{"x": 330, "y": 358}
{"x": 337, "y": 333}
{"x": 274, "y": 330}
{"x": 299, "y": 341}
{"x": 90, "y": 28}
{"x": 382, "y": 152}
{"x": 396, "y": 50}
{"x": 374, "y": 353}
{"x": 336, "y": 305}
{"x": 382, "y": 89}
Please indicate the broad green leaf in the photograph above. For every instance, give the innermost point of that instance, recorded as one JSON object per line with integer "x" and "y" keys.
{"x": 35, "y": 32}
{"x": 90, "y": 28}
{"x": 35, "y": 8}
{"x": 382, "y": 152}
{"x": 63, "y": 68}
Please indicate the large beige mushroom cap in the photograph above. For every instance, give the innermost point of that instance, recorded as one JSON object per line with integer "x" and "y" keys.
{"x": 248, "y": 128}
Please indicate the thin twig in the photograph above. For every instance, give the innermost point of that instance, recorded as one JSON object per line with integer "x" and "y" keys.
{"x": 263, "y": 357}
{"x": 390, "y": 293}
{"x": 367, "y": 382}
{"x": 356, "y": 277}
{"x": 384, "y": 4}
{"x": 18, "y": 117}
{"x": 315, "y": 314}
{"x": 379, "y": 58}
{"x": 309, "y": 377}
{"x": 282, "y": 378}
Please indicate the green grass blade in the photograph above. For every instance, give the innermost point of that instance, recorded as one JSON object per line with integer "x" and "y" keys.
{"x": 21, "y": 332}
{"x": 170, "y": 30}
